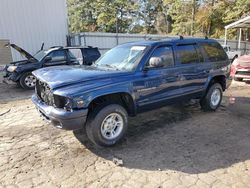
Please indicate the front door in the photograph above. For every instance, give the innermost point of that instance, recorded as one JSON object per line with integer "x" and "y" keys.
{"x": 158, "y": 85}
{"x": 58, "y": 57}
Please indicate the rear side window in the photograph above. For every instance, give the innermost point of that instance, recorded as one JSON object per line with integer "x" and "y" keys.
{"x": 92, "y": 51}
{"x": 214, "y": 52}
{"x": 166, "y": 54}
{"x": 187, "y": 54}
{"x": 75, "y": 53}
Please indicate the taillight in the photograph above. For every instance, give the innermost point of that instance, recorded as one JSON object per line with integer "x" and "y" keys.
{"x": 234, "y": 67}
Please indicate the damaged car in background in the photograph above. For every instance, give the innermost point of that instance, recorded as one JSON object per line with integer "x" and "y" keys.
{"x": 20, "y": 71}
{"x": 240, "y": 68}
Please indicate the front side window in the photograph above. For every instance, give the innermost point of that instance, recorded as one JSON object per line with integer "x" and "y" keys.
{"x": 187, "y": 54}
{"x": 166, "y": 55}
{"x": 121, "y": 58}
{"x": 214, "y": 52}
{"x": 58, "y": 55}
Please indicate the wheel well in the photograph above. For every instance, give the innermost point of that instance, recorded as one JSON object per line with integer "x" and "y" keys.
{"x": 123, "y": 99}
{"x": 219, "y": 79}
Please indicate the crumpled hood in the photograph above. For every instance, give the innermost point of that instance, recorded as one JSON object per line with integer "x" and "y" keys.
{"x": 60, "y": 76}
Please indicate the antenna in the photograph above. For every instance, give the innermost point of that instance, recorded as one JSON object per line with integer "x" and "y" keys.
{"x": 206, "y": 37}
{"x": 42, "y": 46}
{"x": 181, "y": 37}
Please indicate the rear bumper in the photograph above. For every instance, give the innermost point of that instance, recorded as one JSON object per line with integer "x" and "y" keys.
{"x": 68, "y": 120}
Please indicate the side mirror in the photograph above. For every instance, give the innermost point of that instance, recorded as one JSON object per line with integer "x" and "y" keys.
{"x": 155, "y": 62}
{"x": 47, "y": 58}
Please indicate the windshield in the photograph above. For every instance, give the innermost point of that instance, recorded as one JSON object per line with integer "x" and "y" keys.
{"x": 40, "y": 55}
{"x": 122, "y": 57}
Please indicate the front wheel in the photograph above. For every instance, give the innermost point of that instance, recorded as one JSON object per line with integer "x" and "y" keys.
{"x": 27, "y": 81}
{"x": 213, "y": 98}
{"x": 107, "y": 124}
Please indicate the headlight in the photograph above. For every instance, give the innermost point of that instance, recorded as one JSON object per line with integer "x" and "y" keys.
{"x": 73, "y": 103}
{"x": 79, "y": 103}
{"x": 11, "y": 68}
{"x": 68, "y": 103}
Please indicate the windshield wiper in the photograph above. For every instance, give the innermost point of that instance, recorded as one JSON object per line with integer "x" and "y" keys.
{"x": 110, "y": 66}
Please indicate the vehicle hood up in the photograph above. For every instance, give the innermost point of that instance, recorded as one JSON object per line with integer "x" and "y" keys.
{"x": 60, "y": 76}
{"x": 22, "y": 52}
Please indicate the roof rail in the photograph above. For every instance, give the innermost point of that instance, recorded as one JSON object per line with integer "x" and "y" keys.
{"x": 56, "y": 47}
{"x": 150, "y": 38}
{"x": 181, "y": 37}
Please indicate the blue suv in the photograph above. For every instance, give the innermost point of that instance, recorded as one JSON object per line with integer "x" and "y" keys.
{"x": 129, "y": 79}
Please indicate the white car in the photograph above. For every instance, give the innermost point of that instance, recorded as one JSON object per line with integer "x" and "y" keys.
{"x": 231, "y": 54}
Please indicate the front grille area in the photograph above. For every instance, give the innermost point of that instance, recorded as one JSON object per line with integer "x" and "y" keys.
{"x": 44, "y": 93}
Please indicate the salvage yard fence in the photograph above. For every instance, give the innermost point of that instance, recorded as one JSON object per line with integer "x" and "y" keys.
{"x": 106, "y": 41}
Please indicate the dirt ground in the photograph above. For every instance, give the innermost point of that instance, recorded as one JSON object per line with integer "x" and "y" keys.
{"x": 176, "y": 146}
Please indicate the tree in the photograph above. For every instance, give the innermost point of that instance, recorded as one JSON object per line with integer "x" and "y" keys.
{"x": 81, "y": 16}
{"x": 185, "y": 17}
{"x": 116, "y": 14}
{"x": 181, "y": 13}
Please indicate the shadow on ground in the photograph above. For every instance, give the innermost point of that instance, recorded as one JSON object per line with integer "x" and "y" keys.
{"x": 183, "y": 138}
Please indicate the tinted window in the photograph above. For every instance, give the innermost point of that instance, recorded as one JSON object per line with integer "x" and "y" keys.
{"x": 187, "y": 54}
{"x": 214, "y": 52}
{"x": 58, "y": 55}
{"x": 166, "y": 54}
{"x": 92, "y": 51}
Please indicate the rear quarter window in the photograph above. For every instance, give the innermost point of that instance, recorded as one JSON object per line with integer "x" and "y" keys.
{"x": 214, "y": 52}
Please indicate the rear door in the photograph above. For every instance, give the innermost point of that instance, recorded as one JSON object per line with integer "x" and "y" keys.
{"x": 193, "y": 71}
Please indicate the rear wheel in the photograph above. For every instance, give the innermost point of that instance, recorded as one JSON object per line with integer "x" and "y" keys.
{"x": 107, "y": 124}
{"x": 27, "y": 81}
{"x": 213, "y": 98}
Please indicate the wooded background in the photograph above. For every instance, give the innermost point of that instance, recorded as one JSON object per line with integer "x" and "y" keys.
{"x": 173, "y": 17}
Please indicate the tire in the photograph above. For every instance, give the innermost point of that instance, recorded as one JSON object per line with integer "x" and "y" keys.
{"x": 238, "y": 79}
{"x": 97, "y": 124}
{"x": 213, "y": 98}
{"x": 27, "y": 81}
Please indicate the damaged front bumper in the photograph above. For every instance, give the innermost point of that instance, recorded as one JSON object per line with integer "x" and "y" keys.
{"x": 10, "y": 77}
{"x": 68, "y": 120}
